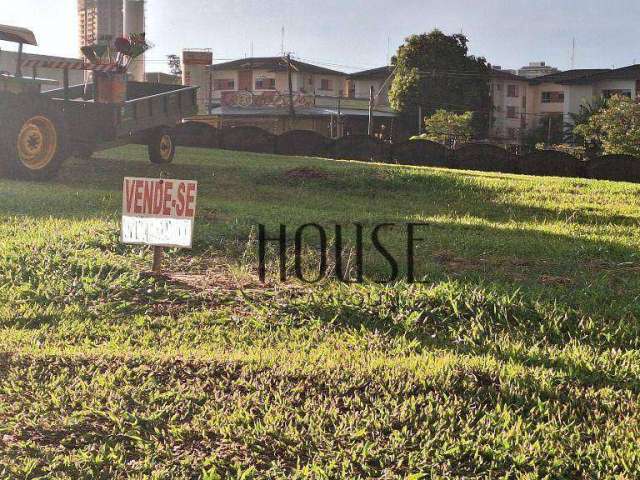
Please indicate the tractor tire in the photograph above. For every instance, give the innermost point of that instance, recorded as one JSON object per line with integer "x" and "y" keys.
{"x": 162, "y": 146}
{"x": 34, "y": 142}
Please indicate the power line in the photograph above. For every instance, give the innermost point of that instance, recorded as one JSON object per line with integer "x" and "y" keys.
{"x": 323, "y": 62}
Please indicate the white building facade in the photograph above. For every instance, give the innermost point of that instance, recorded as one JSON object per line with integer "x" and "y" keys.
{"x": 520, "y": 104}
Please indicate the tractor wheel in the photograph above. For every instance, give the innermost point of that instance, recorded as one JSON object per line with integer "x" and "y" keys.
{"x": 35, "y": 144}
{"x": 162, "y": 147}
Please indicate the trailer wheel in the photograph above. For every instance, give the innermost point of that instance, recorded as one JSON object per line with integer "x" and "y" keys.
{"x": 162, "y": 147}
{"x": 35, "y": 145}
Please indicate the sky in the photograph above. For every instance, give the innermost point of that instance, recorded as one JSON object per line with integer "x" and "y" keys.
{"x": 352, "y": 35}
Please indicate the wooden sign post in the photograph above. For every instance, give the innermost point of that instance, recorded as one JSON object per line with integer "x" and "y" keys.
{"x": 158, "y": 212}
{"x": 158, "y": 253}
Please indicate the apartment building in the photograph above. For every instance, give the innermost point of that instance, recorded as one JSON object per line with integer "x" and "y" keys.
{"x": 536, "y": 69}
{"x": 266, "y": 75}
{"x": 255, "y": 91}
{"x": 508, "y": 93}
{"x": 521, "y": 104}
{"x": 565, "y": 92}
{"x": 99, "y": 21}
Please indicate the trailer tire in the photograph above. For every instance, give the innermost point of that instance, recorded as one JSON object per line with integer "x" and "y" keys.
{"x": 162, "y": 147}
{"x": 35, "y": 143}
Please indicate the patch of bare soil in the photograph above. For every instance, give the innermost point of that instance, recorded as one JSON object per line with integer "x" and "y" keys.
{"x": 306, "y": 173}
{"x": 214, "y": 280}
{"x": 555, "y": 280}
{"x": 519, "y": 262}
{"x": 458, "y": 264}
{"x": 217, "y": 287}
{"x": 612, "y": 267}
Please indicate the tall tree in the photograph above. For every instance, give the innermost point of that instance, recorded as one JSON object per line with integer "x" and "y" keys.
{"x": 434, "y": 71}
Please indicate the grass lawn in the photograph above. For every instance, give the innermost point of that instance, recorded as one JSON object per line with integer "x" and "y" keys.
{"x": 519, "y": 357}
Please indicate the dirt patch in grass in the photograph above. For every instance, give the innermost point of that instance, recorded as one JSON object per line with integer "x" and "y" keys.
{"x": 599, "y": 265}
{"x": 458, "y": 264}
{"x": 555, "y": 280}
{"x": 306, "y": 173}
{"x": 219, "y": 287}
{"x": 212, "y": 281}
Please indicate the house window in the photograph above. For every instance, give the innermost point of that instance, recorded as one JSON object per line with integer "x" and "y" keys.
{"x": 621, "y": 93}
{"x": 499, "y": 87}
{"x": 325, "y": 84}
{"x": 552, "y": 97}
{"x": 513, "y": 91}
{"x": 265, "y": 84}
{"x": 512, "y": 133}
{"x": 512, "y": 112}
{"x": 224, "y": 84}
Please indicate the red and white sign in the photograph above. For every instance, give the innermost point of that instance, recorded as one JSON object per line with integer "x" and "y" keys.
{"x": 158, "y": 212}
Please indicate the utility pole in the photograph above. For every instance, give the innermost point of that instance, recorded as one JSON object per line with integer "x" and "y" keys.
{"x": 371, "y": 101}
{"x": 292, "y": 111}
{"x": 420, "y": 119}
{"x": 210, "y": 109}
{"x": 549, "y": 132}
{"x": 339, "y": 133}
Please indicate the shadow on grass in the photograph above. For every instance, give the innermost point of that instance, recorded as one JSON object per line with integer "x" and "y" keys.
{"x": 92, "y": 190}
{"x": 256, "y": 179}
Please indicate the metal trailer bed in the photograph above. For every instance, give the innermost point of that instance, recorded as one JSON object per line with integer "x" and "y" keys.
{"x": 38, "y": 131}
{"x": 94, "y": 126}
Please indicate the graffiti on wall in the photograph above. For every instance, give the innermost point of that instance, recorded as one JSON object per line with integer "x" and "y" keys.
{"x": 271, "y": 99}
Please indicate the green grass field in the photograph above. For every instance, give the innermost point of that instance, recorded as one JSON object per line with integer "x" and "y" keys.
{"x": 518, "y": 358}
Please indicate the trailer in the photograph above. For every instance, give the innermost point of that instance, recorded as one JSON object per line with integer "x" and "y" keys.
{"x": 39, "y": 131}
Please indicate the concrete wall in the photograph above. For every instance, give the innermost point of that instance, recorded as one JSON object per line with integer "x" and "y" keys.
{"x": 195, "y": 72}
{"x": 630, "y": 85}
{"x": 537, "y": 111}
{"x": 576, "y": 96}
{"x": 8, "y": 64}
{"x": 224, "y": 75}
{"x": 363, "y": 86}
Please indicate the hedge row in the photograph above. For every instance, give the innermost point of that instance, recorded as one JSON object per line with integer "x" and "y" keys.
{"x": 483, "y": 157}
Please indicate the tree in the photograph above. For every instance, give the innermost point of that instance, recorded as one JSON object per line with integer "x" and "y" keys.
{"x": 582, "y": 117}
{"x": 549, "y": 131}
{"x": 175, "y": 66}
{"x": 443, "y": 125}
{"x": 434, "y": 71}
{"x": 616, "y": 127}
